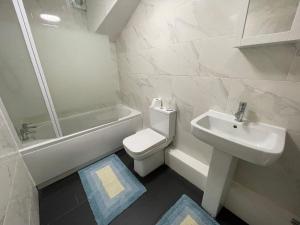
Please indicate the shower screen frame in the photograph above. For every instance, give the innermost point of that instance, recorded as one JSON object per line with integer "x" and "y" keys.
{"x": 37, "y": 66}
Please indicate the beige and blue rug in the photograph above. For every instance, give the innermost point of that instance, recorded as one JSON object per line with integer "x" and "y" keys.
{"x": 186, "y": 212}
{"x": 110, "y": 188}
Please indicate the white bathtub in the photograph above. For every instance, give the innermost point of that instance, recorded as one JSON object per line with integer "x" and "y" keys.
{"x": 55, "y": 158}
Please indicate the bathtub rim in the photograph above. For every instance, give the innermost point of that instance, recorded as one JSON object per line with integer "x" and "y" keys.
{"x": 28, "y": 149}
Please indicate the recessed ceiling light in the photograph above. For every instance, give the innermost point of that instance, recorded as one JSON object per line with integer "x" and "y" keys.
{"x": 50, "y": 18}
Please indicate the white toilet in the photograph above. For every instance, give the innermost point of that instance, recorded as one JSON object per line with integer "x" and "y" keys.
{"x": 147, "y": 146}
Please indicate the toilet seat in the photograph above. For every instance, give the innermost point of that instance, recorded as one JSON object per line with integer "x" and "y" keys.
{"x": 143, "y": 143}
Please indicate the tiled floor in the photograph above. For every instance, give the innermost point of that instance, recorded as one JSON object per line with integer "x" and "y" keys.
{"x": 65, "y": 203}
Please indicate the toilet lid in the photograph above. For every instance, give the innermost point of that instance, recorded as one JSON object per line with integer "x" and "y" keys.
{"x": 143, "y": 140}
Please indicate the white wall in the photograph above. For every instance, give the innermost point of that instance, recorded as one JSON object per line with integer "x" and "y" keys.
{"x": 78, "y": 67}
{"x": 109, "y": 17}
{"x": 183, "y": 49}
{"x": 270, "y": 16}
{"x": 97, "y": 10}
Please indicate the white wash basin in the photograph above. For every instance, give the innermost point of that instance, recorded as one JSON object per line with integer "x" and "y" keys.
{"x": 257, "y": 143}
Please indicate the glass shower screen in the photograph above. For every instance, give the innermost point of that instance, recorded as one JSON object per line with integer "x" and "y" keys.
{"x": 19, "y": 89}
{"x": 77, "y": 63}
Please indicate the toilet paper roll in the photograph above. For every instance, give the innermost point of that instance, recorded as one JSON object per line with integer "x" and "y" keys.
{"x": 156, "y": 102}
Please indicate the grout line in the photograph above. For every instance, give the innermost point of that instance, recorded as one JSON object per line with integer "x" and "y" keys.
{"x": 175, "y": 43}
{"x": 140, "y": 75}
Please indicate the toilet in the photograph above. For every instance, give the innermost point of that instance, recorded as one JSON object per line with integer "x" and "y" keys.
{"x": 147, "y": 146}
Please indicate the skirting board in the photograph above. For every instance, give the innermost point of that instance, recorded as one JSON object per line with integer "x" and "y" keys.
{"x": 251, "y": 207}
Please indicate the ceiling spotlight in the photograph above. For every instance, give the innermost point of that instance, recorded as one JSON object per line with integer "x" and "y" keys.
{"x": 50, "y": 18}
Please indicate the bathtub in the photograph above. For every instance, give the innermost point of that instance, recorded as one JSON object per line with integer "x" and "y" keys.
{"x": 52, "y": 159}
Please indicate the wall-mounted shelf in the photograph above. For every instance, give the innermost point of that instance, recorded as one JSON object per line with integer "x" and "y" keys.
{"x": 290, "y": 35}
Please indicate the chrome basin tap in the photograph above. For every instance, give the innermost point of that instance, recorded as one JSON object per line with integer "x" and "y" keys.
{"x": 241, "y": 111}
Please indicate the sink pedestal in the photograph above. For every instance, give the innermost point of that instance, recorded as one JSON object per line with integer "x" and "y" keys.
{"x": 221, "y": 171}
{"x": 258, "y": 143}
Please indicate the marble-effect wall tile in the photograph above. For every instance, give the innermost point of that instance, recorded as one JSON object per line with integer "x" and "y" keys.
{"x": 270, "y": 16}
{"x": 193, "y": 19}
{"x": 18, "y": 196}
{"x": 184, "y": 49}
{"x": 7, "y": 144}
{"x": 294, "y": 73}
{"x": 264, "y": 63}
{"x": 274, "y": 102}
{"x": 160, "y": 23}
{"x": 7, "y": 171}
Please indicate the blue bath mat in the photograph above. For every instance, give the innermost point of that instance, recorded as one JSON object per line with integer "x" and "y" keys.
{"x": 186, "y": 212}
{"x": 110, "y": 188}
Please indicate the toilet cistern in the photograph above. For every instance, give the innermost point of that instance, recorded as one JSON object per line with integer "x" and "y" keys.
{"x": 147, "y": 146}
{"x": 241, "y": 111}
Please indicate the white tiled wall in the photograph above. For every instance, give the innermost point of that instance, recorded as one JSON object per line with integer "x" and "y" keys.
{"x": 270, "y": 16}
{"x": 18, "y": 195}
{"x": 183, "y": 49}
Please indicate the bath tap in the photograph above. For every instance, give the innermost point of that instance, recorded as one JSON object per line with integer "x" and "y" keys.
{"x": 26, "y": 130}
{"x": 241, "y": 111}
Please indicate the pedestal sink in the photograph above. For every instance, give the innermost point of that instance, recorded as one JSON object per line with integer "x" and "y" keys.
{"x": 258, "y": 143}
